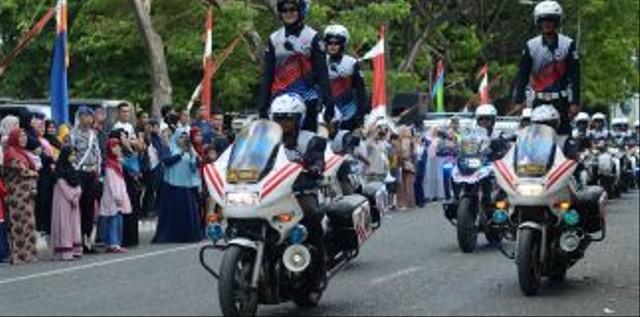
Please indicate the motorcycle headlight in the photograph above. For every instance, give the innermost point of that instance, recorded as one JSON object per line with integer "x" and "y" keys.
{"x": 474, "y": 163}
{"x": 240, "y": 199}
{"x": 530, "y": 189}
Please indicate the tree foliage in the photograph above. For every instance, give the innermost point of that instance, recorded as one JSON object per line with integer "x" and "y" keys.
{"x": 108, "y": 58}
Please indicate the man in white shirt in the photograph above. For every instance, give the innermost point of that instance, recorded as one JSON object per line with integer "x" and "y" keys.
{"x": 124, "y": 114}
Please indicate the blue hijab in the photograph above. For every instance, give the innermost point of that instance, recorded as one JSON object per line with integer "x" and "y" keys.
{"x": 182, "y": 171}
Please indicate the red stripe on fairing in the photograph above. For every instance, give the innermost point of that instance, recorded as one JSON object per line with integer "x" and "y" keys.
{"x": 212, "y": 179}
{"x": 563, "y": 170}
{"x": 504, "y": 171}
{"x": 557, "y": 170}
{"x": 282, "y": 178}
{"x": 273, "y": 178}
{"x": 332, "y": 162}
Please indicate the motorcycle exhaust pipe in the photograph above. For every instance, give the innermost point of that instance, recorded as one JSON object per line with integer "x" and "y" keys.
{"x": 296, "y": 258}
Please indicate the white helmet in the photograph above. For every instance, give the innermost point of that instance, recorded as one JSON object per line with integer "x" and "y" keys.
{"x": 599, "y": 116}
{"x": 636, "y": 124}
{"x": 547, "y": 9}
{"x": 486, "y": 110}
{"x": 338, "y": 31}
{"x": 582, "y": 116}
{"x": 526, "y": 113}
{"x": 546, "y": 114}
{"x": 620, "y": 121}
{"x": 288, "y": 105}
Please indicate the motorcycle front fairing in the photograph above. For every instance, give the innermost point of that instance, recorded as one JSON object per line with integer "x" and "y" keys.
{"x": 472, "y": 165}
{"x": 253, "y": 179}
{"x": 535, "y": 172}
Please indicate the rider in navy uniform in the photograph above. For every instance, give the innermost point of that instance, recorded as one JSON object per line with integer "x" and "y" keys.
{"x": 347, "y": 82}
{"x": 295, "y": 62}
{"x": 550, "y": 66}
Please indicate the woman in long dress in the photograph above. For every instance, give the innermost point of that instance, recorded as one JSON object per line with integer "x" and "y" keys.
{"x": 46, "y": 179}
{"x": 20, "y": 175}
{"x": 178, "y": 220}
{"x": 4, "y": 248}
{"x": 433, "y": 184}
{"x": 66, "y": 235}
{"x": 406, "y": 196}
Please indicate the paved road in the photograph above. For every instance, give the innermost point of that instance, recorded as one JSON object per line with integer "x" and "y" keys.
{"x": 412, "y": 266}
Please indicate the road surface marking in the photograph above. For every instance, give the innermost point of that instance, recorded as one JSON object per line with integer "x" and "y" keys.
{"x": 395, "y": 275}
{"x": 96, "y": 264}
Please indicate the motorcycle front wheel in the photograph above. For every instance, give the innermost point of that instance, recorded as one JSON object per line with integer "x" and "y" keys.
{"x": 466, "y": 225}
{"x": 237, "y": 298}
{"x": 528, "y": 261}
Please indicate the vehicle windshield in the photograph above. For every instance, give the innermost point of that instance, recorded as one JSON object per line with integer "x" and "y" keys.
{"x": 253, "y": 152}
{"x": 472, "y": 141}
{"x": 534, "y": 150}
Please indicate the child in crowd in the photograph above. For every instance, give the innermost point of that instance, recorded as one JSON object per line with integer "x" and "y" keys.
{"x": 115, "y": 199}
{"x": 66, "y": 235}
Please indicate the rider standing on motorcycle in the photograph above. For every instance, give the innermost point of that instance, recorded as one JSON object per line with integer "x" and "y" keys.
{"x": 550, "y": 66}
{"x": 295, "y": 62}
{"x": 347, "y": 82}
{"x": 306, "y": 148}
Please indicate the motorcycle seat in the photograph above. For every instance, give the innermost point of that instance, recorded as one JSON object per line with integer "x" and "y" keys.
{"x": 370, "y": 190}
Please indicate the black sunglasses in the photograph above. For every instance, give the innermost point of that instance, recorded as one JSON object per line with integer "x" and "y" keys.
{"x": 286, "y": 9}
{"x": 282, "y": 117}
{"x": 333, "y": 43}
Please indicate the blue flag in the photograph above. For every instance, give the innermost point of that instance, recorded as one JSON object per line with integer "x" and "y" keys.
{"x": 59, "y": 90}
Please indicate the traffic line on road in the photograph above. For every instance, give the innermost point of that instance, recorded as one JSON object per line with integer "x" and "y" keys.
{"x": 96, "y": 264}
{"x": 387, "y": 278}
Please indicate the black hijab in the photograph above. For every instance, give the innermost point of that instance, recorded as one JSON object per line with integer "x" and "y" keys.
{"x": 64, "y": 168}
{"x": 53, "y": 139}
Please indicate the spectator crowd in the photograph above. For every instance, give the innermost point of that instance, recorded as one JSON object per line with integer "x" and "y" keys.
{"x": 86, "y": 188}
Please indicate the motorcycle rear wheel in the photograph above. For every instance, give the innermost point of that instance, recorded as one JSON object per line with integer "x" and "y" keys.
{"x": 528, "y": 261}
{"x": 234, "y": 288}
{"x": 466, "y": 226}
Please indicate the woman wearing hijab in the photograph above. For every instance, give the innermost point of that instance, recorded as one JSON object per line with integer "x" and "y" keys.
{"x": 51, "y": 134}
{"x": 433, "y": 176}
{"x": 406, "y": 197}
{"x": 20, "y": 175}
{"x": 6, "y": 125}
{"x": 4, "y": 248}
{"x": 46, "y": 177}
{"x": 115, "y": 199}
{"x": 66, "y": 235}
{"x": 197, "y": 140}
{"x": 177, "y": 207}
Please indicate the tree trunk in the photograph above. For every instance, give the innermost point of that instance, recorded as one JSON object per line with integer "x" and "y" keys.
{"x": 155, "y": 48}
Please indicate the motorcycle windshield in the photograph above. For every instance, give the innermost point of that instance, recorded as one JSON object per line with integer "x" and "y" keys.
{"x": 253, "y": 152}
{"x": 471, "y": 143}
{"x": 535, "y": 150}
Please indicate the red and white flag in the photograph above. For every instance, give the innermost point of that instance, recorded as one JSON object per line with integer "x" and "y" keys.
{"x": 379, "y": 92}
{"x": 483, "y": 90}
{"x": 208, "y": 64}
